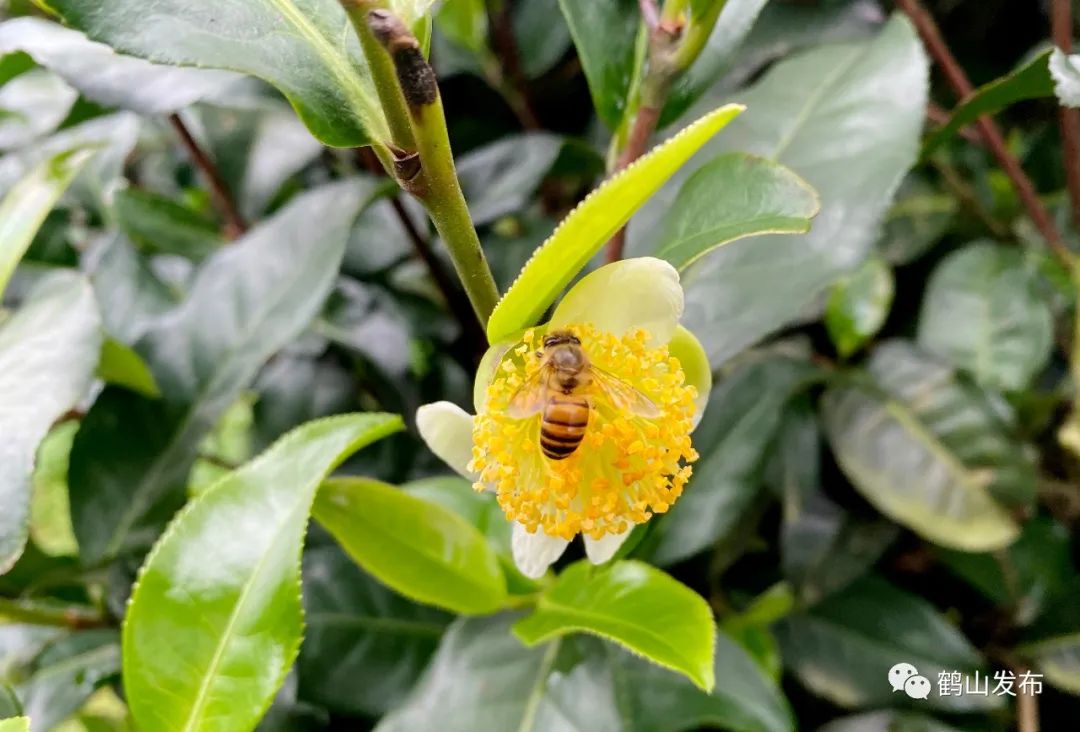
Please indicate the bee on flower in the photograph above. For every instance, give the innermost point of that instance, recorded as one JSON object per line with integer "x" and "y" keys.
{"x": 583, "y": 424}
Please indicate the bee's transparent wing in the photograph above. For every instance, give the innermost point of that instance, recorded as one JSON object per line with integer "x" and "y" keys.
{"x": 622, "y": 395}
{"x": 530, "y": 397}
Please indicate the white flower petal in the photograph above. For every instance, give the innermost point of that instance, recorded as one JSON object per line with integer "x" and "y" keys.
{"x": 603, "y": 549}
{"x": 447, "y": 430}
{"x": 534, "y": 553}
{"x": 633, "y": 293}
{"x": 485, "y": 372}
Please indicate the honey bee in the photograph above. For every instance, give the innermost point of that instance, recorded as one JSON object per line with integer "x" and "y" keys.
{"x": 558, "y": 390}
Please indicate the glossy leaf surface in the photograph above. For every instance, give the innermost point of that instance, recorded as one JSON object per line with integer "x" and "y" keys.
{"x": 635, "y": 605}
{"x": 419, "y": 549}
{"x": 236, "y": 550}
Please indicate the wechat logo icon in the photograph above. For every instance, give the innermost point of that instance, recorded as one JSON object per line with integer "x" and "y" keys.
{"x": 905, "y": 677}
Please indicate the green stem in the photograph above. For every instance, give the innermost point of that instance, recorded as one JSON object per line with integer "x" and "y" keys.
{"x": 68, "y": 616}
{"x": 382, "y": 72}
{"x": 433, "y": 178}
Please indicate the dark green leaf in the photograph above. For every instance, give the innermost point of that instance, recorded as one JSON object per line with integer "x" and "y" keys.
{"x": 927, "y": 451}
{"x": 815, "y": 113}
{"x": 887, "y": 721}
{"x": 858, "y": 305}
{"x": 542, "y": 35}
{"x": 310, "y": 53}
{"x": 605, "y": 33}
{"x": 364, "y": 646}
{"x": 918, "y": 219}
{"x": 9, "y": 703}
{"x": 983, "y": 312}
{"x": 132, "y": 454}
{"x": 235, "y": 551}
{"x": 733, "y": 197}
{"x": 421, "y": 550}
{"x": 48, "y": 351}
{"x": 106, "y": 77}
{"x": 500, "y": 178}
{"x": 1029, "y": 81}
{"x": 738, "y": 426}
{"x": 843, "y": 647}
{"x": 633, "y": 604}
{"x": 66, "y": 673}
{"x": 161, "y": 225}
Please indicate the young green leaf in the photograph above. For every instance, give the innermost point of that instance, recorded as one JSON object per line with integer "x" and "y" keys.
{"x": 585, "y": 230}
{"x": 15, "y": 724}
{"x": 231, "y": 559}
{"x": 424, "y": 551}
{"x": 26, "y": 205}
{"x": 121, "y": 365}
{"x": 1030, "y": 81}
{"x": 306, "y": 50}
{"x": 858, "y": 305}
{"x": 48, "y": 351}
{"x": 983, "y": 312}
{"x": 635, "y": 605}
{"x": 927, "y": 452}
{"x": 734, "y": 196}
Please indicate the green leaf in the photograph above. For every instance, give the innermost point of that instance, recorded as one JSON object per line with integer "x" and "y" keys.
{"x": 739, "y": 424}
{"x": 106, "y": 77}
{"x": 50, "y": 510}
{"x": 9, "y": 703}
{"x": 121, "y": 365}
{"x": 926, "y": 451}
{"x": 364, "y": 646}
{"x": 1029, "y": 81}
{"x": 500, "y": 178}
{"x": 66, "y": 673}
{"x": 1066, "y": 73}
{"x": 235, "y": 552}
{"x": 887, "y": 719}
{"x": 15, "y": 724}
{"x": 542, "y": 36}
{"x": 605, "y": 33}
{"x": 26, "y": 205}
{"x": 33, "y": 104}
{"x": 858, "y": 305}
{"x": 421, "y": 550}
{"x": 585, "y": 230}
{"x": 734, "y": 196}
{"x": 132, "y": 455}
{"x": 1059, "y": 659}
{"x": 307, "y": 51}
{"x": 983, "y": 312}
{"x": 465, "y": 23}
{"x": 871, "y": 97}
{"x": 164, "y": 226}
{"x": 48, "y": 350}
{"x": 918, "y": 219}
{"x": 635, "y": 605}
{"x": 843, "y": 647}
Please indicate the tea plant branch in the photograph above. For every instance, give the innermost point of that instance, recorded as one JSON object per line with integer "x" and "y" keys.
{"x": 513, "y": 84}
{"x": 673, "y": 45}
{"x": 1068, "y": 118}
{"x": 426, "y": 168}
{"x": 219, "y": 192}
{"x": 961, "y": 85}
{"x": 36, "y": 613}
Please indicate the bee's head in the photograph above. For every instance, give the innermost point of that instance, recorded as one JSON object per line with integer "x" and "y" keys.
{"x": 561, "y": 337}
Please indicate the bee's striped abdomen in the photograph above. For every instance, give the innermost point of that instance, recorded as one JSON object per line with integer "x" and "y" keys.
{"x": 563, "y": 424}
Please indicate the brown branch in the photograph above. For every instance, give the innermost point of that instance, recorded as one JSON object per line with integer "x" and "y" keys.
{"x": 939, "y": 117}
{"x": 1068, "y": 118}
{"x": 219, "y": 192}
{"x": 514, "y": 84}
{"x": 961, "y": 85}
{"x": 455, "y": 299}
{"x": 1027, "y": 704}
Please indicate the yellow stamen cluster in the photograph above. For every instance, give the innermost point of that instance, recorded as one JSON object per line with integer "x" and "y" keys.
{"x": 627, "y": 467}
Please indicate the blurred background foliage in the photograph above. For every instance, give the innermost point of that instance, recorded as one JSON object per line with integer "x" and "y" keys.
{"x": 886, "y": 468}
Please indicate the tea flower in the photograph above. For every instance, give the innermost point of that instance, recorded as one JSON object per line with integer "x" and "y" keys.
{"x": 629, "y": 464}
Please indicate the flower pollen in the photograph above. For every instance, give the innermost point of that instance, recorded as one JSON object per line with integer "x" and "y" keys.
{"x": 626, "y": 468}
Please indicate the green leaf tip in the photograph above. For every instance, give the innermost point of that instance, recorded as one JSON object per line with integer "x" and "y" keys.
{"x": 585, "y": 230}
{"x": 636, "y": 605}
